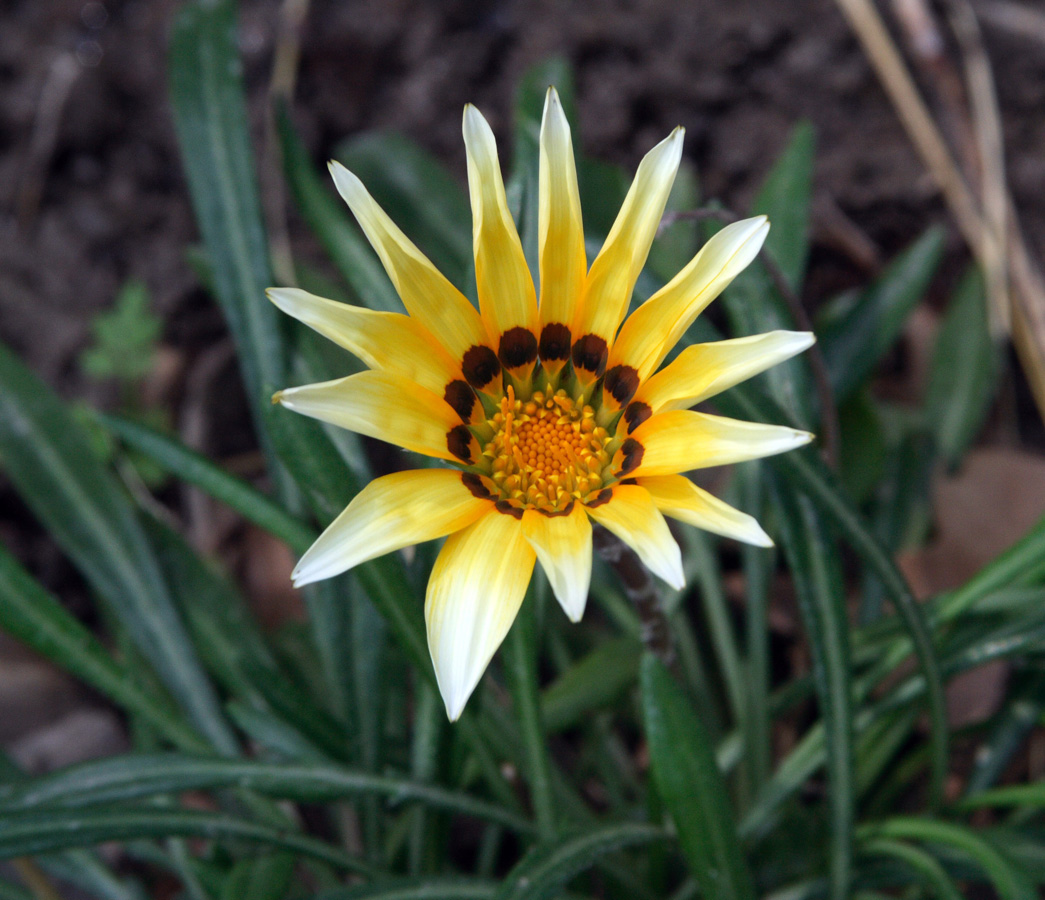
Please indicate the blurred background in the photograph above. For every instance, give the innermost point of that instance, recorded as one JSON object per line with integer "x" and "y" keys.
{"x": 99, "y": 292}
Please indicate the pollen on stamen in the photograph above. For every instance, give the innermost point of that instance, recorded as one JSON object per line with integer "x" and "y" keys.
{"x": 547, "y": 452}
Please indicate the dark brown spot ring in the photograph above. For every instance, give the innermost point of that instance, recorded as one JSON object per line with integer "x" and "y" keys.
{"x": 632, "y": 452}
{"x": 460, "y": 397}
{"x": 621, "y": 383}
{"x": 555, "y": 342}
{"x": 518, "y": 347}
{"x": 636, "y": 413}
{"x": 590, "y": 354}
{"x": 480, "y": 366}
{"x": 459, "y": 442}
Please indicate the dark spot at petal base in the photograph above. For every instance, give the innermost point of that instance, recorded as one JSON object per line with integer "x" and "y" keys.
{"x": 475, "y": 484}
{"x": 603, "y": 497}
{"x": 480, "y": 366}
{"x": 459, "y": 442}
{"x": 621, "y": 383}
{"x": 461, "y": 397}
{"x": 555, "y": 342}
{"x": 552, "y": 513}
{"x": 632, "y": 452}
{"x": 636, "y": 413}
{"x": 509, "y": 510}
{"x": 590, "y": 354}
{"x": 518, "y": 347}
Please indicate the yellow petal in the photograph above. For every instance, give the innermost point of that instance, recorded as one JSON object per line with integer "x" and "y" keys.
{"x": 387, "y": 341}
{"x": 631, "y": 516}
{"x": 506, "y": 296}
{"x": 703, "y": 370}
{"x": 477, "y": 585}
{"x": 426, "y": 293}
{"x": 383, "y": 406}
{"x": 563, "y": 545}
{"x": 681, "y": 440}
{"x": 608, "y": 287}
{"x": 680, "y": 498}
{"x": 655, "y": 327}
{"x": 388, "y": 514}
{"x": 560, "y": 233}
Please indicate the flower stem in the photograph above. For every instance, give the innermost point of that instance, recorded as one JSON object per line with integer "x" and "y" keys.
{"x": 641, "y": 590}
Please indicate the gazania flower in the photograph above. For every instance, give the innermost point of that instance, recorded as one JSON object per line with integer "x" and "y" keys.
{"x": 549, "y": 413}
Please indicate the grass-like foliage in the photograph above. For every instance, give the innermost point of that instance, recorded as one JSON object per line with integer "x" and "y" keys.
{"x": 583, "y": 767}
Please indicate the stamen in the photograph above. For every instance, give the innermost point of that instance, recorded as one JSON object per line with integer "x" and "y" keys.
{"x": 547, "y": 451}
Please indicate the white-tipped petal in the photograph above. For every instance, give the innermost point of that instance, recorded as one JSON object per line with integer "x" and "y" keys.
{"x": 426, "y": 293}
{"x": 383, "y": 406}
{"x": 612, "y": 277}
{"x": 631, "y": 515}
{"x": 681, "y": 440}
{"x": 390, "y": 513}
{"x": 506, "y": 295}
{"x": 680, "y": 498}
{"x": 655, "y": 327}
{"x": 704, "y": 370}
{"x": 475, "y": 590}
{"x": 560, "y": 232}
{"x": 563, "y": 546}
{"x": 390, "y": 342}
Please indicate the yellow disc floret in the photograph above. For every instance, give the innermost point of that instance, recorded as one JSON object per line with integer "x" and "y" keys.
{"x": 546, "y": 452}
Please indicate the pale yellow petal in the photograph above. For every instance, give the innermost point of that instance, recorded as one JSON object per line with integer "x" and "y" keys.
{"x": 655, "y": 327}
{"x": 631, "y": 515}
{"x": 680, "y": 498}
{"x": 391, "y": 342}
{"x": 390, "y": 513}
{"x": 563, "y": 545}
{"x": 704, "y": 370}
{"x": 379, "y": 405}
{"x": 612, "y": 277}
{"x": 560, "y": 232}
{"x": 475, "y": 590}
{"x": 426, "y": 293}
{"x": 681, "y": 440}
{"x": 506, "y": 296}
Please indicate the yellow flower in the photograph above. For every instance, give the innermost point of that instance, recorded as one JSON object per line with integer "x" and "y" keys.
{"x": 551, "y": 414}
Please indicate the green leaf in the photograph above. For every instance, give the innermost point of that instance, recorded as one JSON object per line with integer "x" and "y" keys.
{"x": 520, "y": 654}
{"x": 232, "y": 645}
{"x": 118, "y": 779}
{"x": 32, "y": 833}
{"x": 420, "y": 195}
{"x": 264, "y": 878}
{"x": 594, "y": 682}
{"x": 48, "y": 458}
{"x": 210, "y": 116}
{"x": 785, "y": 198}
{"x": 330, "y": 220}
{"x": 124, "y": 338}
{"x": 921, "y": 862}
{"x": 544, "y": 870}
{"x": 854, "y": 341}
{"x": 753, "y": 302}
{"x": 689, "y": 783}
{"x": 965, "y": 368}
{"x": 33, "y": 616}
{"x": 429, "y": 888}
{"x": 1011, "y": 882}
{"x": 189, "y": 466}
{"x": 813, "y": 558}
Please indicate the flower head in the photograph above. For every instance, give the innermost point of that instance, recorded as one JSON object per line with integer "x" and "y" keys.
{"x": 550, "y": 413}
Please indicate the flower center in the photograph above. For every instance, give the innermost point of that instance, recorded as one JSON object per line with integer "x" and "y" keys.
{"x": 546, "y": 451}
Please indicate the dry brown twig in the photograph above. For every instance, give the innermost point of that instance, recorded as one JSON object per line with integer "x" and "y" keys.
{"x": 996, "y": 240}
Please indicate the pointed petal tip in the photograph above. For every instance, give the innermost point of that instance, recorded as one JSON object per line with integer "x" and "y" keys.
{"x": 277, "y": 398}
